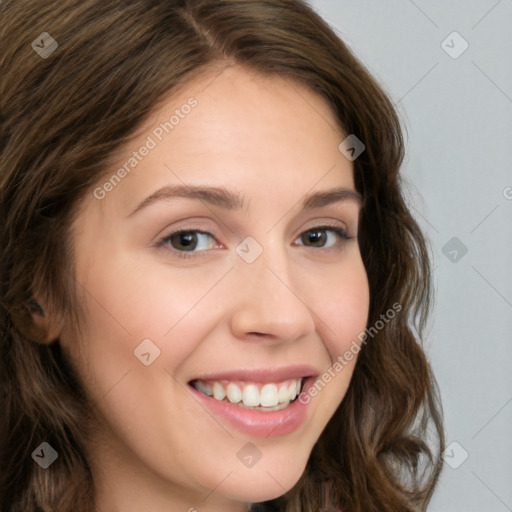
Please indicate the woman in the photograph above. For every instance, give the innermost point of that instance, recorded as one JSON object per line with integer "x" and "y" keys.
{"x": 212, "y": 290}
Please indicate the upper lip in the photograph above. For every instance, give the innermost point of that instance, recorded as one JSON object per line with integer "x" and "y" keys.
{"x": 270, "y": 374}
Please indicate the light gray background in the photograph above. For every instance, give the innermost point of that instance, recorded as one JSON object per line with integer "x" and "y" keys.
{"x": 458, "y": 118}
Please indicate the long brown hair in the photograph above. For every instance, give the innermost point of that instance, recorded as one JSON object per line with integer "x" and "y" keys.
{"x": 62, "y": 118}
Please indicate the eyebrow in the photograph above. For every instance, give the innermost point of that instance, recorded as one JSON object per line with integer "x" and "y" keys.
{"x": 230, "y": 200}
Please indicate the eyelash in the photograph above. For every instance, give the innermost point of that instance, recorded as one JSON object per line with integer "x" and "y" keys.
{"x": 193, "y": 254}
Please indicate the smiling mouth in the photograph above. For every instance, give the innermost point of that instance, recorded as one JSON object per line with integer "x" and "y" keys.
{"x": 271, "y": 396}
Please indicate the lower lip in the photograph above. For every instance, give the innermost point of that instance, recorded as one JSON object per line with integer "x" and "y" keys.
{"x": 258, "y": 423}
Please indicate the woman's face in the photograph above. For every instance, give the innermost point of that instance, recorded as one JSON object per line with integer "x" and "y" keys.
{"x": 251, "y": 301}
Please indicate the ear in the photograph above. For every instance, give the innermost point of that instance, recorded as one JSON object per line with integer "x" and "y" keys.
{"x": 44, "y": 323}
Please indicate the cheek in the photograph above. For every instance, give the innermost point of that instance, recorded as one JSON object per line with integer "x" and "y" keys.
{"x": 126, "y": 303}
{"x": 343, "y": 307}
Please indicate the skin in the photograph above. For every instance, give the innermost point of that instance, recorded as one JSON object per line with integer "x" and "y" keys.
{"x": 272, "y": 141}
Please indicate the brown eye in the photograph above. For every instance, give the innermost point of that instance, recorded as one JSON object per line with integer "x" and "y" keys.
{"x": 187, "y": 240}
{"x": 318, "y": 236}
{"x": 184, "y": 241}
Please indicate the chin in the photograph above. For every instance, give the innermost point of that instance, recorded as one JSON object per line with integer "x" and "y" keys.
{"x": 267, "y": 483}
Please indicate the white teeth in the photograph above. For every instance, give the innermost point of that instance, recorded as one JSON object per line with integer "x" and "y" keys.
{"x": 292, "y": 391}
{"x": 268, "y": 395}
{"x": 282, "y": 395}
{"x": 233, "y": 393}
{"x": 251, "y": 395}
{"x": 219, "y": 393}
{"x": 271, "y": 396}
{"x": 204, "y": 388}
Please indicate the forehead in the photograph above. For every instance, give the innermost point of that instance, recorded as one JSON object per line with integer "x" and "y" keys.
{"x": 256, "y": 133}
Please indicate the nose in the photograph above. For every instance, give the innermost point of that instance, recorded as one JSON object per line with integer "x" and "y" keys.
{"x": 268, "y": 303}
